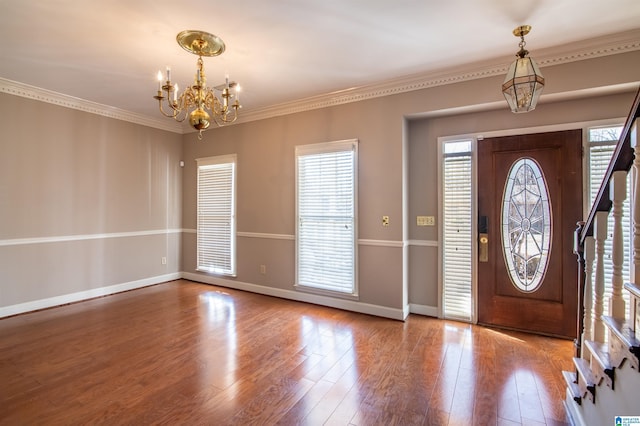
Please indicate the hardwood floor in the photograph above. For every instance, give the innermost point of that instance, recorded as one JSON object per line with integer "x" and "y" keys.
{"x": 187, "y": 353}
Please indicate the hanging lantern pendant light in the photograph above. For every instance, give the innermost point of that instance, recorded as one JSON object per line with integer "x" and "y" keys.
{"x": 524, "y": 82}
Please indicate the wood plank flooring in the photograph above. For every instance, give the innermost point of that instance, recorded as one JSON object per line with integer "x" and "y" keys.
{"x": 188, "y": 353}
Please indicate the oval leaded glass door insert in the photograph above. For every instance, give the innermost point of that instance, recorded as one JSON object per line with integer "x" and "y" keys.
{"x": 526, "y": 224}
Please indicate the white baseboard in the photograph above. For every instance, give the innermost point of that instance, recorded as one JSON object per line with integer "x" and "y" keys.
{"x": 35, "y": 305}
{"x": 430, "y": 311}
{"x": 347, "y": 305}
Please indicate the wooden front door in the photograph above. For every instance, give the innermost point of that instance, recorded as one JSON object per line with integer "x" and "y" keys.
{"x": 523, "y": 286}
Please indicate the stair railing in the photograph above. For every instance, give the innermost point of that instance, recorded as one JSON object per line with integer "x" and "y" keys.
{"x": 590, "y": 238}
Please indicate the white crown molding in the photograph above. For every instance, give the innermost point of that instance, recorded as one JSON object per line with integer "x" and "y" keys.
{"x": 43, "y": 95}
{"x": 587, "y": 49}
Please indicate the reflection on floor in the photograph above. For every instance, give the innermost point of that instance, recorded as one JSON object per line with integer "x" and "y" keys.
{"x": 187, "y": 353}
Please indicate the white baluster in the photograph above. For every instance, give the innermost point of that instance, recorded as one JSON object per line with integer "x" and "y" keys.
{"x": 635, "y": 207}
{"x": 589, "y": 257}
{"x": 600, "y": 233}
{"x": 617, "y": 194}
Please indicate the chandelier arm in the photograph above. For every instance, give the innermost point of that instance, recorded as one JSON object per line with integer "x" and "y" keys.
{"x": 228, "y": 117}
{"x": 173, "y": 113}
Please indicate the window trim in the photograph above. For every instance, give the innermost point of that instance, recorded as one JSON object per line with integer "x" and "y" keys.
{"x": 320, "y": 148}
{"x": 211, "y": 161}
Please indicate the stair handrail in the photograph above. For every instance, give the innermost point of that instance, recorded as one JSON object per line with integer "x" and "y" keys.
{"x": 622, "y": 159}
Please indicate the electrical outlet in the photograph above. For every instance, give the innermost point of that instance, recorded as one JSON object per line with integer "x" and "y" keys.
{"x": 385, "y": 220}
{"x": 163, "y": 260}
{"x": 263, "y": 269}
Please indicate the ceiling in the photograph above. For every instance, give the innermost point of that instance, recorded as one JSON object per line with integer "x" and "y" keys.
{"x": 280, "y": 51}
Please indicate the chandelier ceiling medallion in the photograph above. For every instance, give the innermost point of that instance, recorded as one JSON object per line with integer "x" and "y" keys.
{"x": 524, "y": 82}
{"x": 222, "y": 102}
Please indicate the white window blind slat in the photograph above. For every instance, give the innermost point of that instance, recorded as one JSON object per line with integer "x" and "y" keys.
{"x": 326, "y": 234}
{"x": 216, "y": 215}
{"x": 457, "y": 237}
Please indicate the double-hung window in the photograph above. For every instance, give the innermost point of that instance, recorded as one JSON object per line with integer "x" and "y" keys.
{"x": 326, "y": 208}
{"x": 216, "y": 213}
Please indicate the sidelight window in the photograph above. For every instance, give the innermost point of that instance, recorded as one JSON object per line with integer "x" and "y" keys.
{"x": 457, "y": 251}
{"x": 602, "y": 144}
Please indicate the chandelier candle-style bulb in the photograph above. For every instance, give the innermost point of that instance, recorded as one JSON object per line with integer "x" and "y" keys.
{"x": 200, "y": 103}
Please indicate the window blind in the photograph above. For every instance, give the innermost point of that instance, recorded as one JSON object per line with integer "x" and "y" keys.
{"x": 216, "y": 215}
{"x": 326, "y": 221}
{"x": 457, "y": 231}
{"x": 457, "y": 238}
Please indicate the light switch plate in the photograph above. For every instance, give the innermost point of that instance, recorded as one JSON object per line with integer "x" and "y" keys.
{"x": 425, "y": 220}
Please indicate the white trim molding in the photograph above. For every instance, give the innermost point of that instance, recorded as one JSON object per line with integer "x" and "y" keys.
{"x": 64, "y": 299}
{"x": 628, "y": 41}
{"x": 348, "y": 305}
{"x": 43, "y": 95}
{"x": 587, "y": 49}
{"x": 361, "y": 242}
{"x": 422, "y": 243}
{"x": 380, "y": 243}
{"x": 266, "y": 236}
{"x": 82, "y": 237}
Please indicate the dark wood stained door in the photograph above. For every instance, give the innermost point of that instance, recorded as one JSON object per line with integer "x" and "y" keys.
{"x": 551, "y": 307}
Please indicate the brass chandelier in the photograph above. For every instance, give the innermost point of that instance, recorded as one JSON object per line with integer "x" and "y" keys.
{"x": 222, "y": 102}
{"x": 524, "y": 82}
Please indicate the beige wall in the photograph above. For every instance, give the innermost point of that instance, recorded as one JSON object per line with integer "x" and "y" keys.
{"x": 86, "y": 202}
{"x": 110, "y": 194}
{"x": 266, "y": 193}
{"x": 392, "y": 130}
